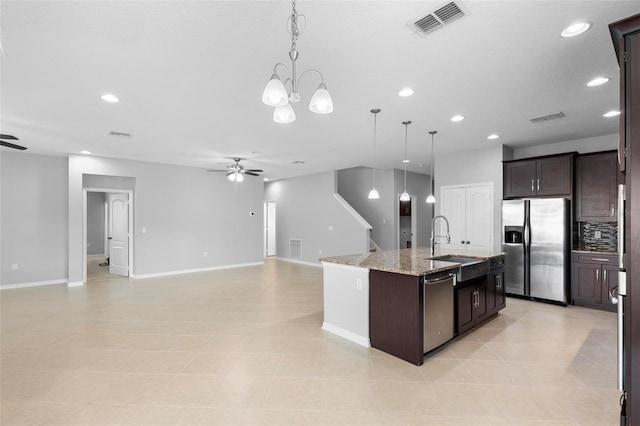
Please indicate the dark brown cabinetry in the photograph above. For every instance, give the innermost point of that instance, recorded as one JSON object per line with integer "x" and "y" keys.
{"x": 543, "y": 176}
{"x": 592, "y": 278}
{"x": 471, "y": 305}
{"x": 496, "y": 299}
{"x": 596, "y": 189}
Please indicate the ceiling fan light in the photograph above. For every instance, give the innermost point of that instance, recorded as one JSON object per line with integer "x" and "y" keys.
{"x": 431, "y": 199}
{"x": 284, "y": 114}
{"x": 321, "y": 102}
{"x": 373, "y": 194}
{"x": 275, "y": 93}
{"x": 405, "y": 196}
{"x": 239, "y": 177}
{"x": 232, "y": 177}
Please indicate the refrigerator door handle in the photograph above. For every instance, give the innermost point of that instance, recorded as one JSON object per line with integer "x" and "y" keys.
{"x": 621, "y": 343}
{"x": 621, "y": 200}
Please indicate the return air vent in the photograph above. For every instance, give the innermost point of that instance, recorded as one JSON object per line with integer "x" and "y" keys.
{"x": 547, "y": 117}
{"x": 440, "y": 17}
{"x": 119, "y": 134}
{"x": 295, "y": 249}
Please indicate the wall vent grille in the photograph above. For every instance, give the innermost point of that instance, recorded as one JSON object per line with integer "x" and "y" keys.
{"x": 295, "y": 249}
{"x": 436, "y": 19}
{"x": 547, "y": 117}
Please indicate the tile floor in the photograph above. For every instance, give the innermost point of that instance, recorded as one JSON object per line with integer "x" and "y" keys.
{"x": 244, "y": 347}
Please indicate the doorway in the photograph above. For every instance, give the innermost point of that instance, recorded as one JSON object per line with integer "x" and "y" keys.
{"x": 270, "y": 228}
{"x": 407, "y": 223}
{"x": 107, "y": 234}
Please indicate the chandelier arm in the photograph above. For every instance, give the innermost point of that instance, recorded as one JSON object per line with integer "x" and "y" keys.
{"x": 275, "y": 68}
{"x": 310, "y": 70}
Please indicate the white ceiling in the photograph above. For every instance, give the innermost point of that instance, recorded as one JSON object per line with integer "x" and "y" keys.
{"x": 190, "y": 76}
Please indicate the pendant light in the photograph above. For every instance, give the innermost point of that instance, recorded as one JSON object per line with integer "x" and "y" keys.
{"x": 431, "y": 199}
{"x": 405, "y": 195}
{"x": 373, "y": 194}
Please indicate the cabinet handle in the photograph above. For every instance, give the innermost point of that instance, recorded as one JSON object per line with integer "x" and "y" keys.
{"x": 597, "y": 259}
{"x": 597, "y": 276}
{"x": 532, "y": 189}
{"x": 613, "y": 211}
{"x": 604, "y": 275}
{"x": 538, "y": 184}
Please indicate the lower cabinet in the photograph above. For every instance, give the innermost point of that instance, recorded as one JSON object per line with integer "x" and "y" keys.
{"x": 471, "y": 305}
{"x": 592, "y": 278}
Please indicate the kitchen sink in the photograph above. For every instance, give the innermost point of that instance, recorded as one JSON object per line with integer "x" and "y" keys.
{"x": 469, "y": 269}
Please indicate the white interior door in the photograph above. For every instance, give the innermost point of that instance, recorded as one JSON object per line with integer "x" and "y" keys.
{"x": 118, "y": 234}
{"x": 453, "y": 207}
{"x": 479, "y": 219}
{"x": 271, "y": 228}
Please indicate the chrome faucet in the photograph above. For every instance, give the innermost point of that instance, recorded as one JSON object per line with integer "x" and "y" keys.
{"x": 433, "y": 236}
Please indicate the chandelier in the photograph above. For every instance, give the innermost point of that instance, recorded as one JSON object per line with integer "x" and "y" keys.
{"x": 280, "y": 95}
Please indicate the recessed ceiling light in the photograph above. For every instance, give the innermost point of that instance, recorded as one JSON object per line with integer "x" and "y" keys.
{"x": 265, "y": 179}
{"x": 457, "y": 118}
{"x": 85, "y": 152}
{"x": 405, "y": 92}
{"x": 110, "y": 98}
{"x": 598, "y": 81}
{"x": 493, "y": 136}
{"x": 406, "y": 161}
{"x": 575, "y": 29}
{"x": 612, "y": 113}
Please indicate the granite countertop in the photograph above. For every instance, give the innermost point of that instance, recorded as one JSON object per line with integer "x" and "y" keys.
{"x": 413, "y": 261}
{"x": 605, "y": 253}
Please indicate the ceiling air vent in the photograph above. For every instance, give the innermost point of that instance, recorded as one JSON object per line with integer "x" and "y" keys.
{"x": 547, "y": 117}
{"x": 437, "y": 19}
{"x": 119, "y": 134}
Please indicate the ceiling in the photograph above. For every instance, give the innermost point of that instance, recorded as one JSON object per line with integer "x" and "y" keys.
{"x": 190, "y": 75}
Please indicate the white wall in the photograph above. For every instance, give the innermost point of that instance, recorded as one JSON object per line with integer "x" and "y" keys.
{"x": 186, "y": 212}
{"x": 33, "y": 218}
{"x": 306, "y": 209}
{"x": 475, "y": 166}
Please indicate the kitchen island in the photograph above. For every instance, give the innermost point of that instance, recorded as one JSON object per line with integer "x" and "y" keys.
{"x": 378, "y": 299}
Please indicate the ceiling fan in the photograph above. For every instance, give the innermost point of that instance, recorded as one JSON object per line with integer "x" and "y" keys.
{"x": 235, "y": 172}
{"x": 9, "y": 144}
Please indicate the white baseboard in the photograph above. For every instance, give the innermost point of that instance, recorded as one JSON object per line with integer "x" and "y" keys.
{"x": 355, "y": 338}
{"x": 33, "y": 284}
{"x": 302, "y": 262}
{"x": 189, "y": 271}
{"x": 75, "y": 284}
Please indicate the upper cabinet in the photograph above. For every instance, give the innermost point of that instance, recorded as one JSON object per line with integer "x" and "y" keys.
{"x": 596, "y": 192}
{"x": 544, "y": 176}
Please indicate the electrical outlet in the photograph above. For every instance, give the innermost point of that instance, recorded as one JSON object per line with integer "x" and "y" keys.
{"x": 597, "y": 235}
{"x": 358, "y": 284}
{"x": 205, "y": 254}
{"x": 144, "y": 229}
{"x": 14, "y": 266}
{"x": 320, "y": 251}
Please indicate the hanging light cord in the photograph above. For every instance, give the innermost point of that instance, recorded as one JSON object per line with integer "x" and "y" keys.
{"x": 406, "y": 130}
{"x": 375, "y": 124}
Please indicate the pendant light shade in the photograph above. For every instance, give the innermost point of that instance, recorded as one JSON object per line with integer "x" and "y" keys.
{"x": 373, "y": 194}
{"x": 284, "y": 114}
{"x": 321, "y": 102}
{"x": 275, "y": 93}
{"x": 431, "y": 199}
{"x": 405, "y": 195}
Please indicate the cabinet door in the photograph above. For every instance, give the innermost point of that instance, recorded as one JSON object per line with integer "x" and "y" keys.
{"x": 492, "y": 293}
{"x": 482, "y": 304}
{"x": 454, "y": 208}
{"x": 596, "y": 195}
{"x": 553, "y": 176}
{"x": 609, "y": 282}
{"x": 465, "y": 305}
{"x": 586, "y": 283}
{"x": 519, "y": 179}
{"x": 478, "y": 219}
{"x": 501, "y": 300}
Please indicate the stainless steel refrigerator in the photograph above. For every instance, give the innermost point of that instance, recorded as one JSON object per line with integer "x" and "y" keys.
{"x": 535, "y": 238}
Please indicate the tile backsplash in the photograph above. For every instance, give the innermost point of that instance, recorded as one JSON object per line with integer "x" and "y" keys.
{"x": 588, "y": 233}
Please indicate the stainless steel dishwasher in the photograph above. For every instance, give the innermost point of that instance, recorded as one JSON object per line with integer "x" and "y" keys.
{"x": 438, "y": 310}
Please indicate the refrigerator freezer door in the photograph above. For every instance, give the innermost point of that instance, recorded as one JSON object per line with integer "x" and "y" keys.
{"x": 514, "y": 272}
{"x": 549, "y": 253}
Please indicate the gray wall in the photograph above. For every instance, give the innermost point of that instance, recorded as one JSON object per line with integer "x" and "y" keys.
{"x": 33, "y": 222}
{"x": 475, "y": 166}
{"x": 186, "y": 212}
{"x": 583, "y": 146}
{"x": 95, "y": 223}
{"x": 354, "y": 185}
{"x": 306, "y": 209}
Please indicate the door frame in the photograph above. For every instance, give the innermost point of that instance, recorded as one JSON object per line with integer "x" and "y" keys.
{"x": 130, "y": 195}
{"x": 414, "y": 221}
{"x": 266, "y": 229}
